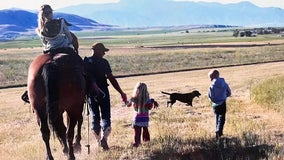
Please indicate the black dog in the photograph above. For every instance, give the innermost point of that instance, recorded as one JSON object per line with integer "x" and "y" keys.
{"x": 185, "y": 98}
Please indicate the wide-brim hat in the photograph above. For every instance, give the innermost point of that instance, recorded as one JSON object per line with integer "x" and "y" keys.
{"x": 99, "y": 47}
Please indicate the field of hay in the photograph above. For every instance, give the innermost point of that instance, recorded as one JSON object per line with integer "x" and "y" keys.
{"x": 176, "y": 133}
{"x": 252, "y": 131}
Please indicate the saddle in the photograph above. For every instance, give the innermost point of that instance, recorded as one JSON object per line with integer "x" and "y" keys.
{"x": 53, "y": 52}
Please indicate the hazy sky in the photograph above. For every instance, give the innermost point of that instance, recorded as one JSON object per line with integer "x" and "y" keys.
{"x": 35, "y": 4}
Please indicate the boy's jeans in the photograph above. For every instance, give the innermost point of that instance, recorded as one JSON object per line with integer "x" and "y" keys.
{"x": 220, "y": 117}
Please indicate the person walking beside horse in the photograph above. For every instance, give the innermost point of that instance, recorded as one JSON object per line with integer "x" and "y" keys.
{"x": 98, "y": 70}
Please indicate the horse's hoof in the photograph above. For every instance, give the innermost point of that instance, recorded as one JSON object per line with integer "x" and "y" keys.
{"x": 49, "y": 158}
{"x": 71, "y": 157}
{"x": 65, "y": 150}
{"x": 77, "y": 147}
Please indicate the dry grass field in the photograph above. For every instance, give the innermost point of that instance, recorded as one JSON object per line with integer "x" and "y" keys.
{"x": 252, "y": 131}
{"x": 181, "y": 132}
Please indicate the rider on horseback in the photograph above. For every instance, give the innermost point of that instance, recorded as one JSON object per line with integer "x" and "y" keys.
{"x": 54, "y": 33}
{"x": 55, "y": 37}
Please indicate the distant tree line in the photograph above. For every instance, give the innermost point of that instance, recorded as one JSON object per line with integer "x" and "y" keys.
{"x": 257, "y": 31}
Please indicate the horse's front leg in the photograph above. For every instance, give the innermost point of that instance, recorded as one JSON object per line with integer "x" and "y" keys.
{"x": 70, "y": 136}
{"x": 77, "y": 144}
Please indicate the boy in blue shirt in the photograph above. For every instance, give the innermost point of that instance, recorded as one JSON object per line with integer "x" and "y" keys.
{"x": 218, "y": 93}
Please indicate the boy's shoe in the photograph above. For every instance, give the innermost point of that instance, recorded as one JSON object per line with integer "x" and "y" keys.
{"x": 104, "y": 144}
{"x": 219, "y": 134}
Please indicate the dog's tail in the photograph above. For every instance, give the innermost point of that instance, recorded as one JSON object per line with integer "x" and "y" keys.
{"x": 165, "y": 93}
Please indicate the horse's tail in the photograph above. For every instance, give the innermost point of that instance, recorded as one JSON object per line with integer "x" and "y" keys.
{"x": 50, "y": 75}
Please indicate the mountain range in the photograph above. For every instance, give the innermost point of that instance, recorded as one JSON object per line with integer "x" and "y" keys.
{"x": 147, "y": 13}
{"x": 15, "y": 21}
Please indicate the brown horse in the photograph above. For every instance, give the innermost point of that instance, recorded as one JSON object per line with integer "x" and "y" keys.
{"x": 54, "y": 87}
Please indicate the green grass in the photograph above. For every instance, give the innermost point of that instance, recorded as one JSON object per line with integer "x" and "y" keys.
{"x": 136, "y": 38}
{"x": 20, "y": 44}
{"x": 176, "y": 38}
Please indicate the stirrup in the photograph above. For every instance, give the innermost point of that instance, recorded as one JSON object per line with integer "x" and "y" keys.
{"x": 25, "y": 97}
